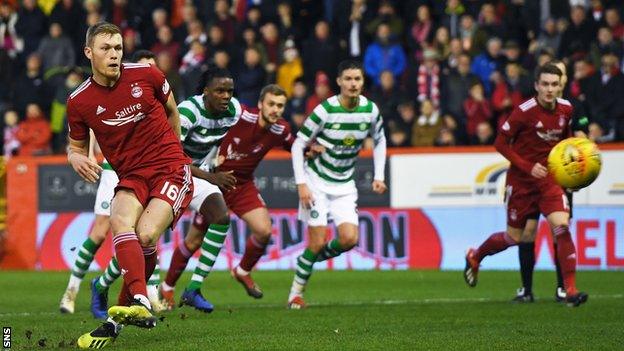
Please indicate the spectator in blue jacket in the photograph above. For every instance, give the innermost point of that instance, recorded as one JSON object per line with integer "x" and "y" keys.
{"x": 489, "y": 62}
{"x": 383, "y": 55}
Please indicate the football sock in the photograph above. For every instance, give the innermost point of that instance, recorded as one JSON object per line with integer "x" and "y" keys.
{"x": 86, "y": 253}
{"x": 129, "y": 254}
{"x": 111, "y": 274}
{"x": 179, "y": 260}
{"x": 566, "y": 255}
{"x": 254, "y": 249}
{"x": 558, "y": 268}
{"x": 496, "y": 243}
{"x": 154, "y": 279}
{"x": 151, "y": 260}
{"x": 302, "y": 273}
{"x": 330, "y": 250}
{"x": 526, "y": 254}
{"x": 213, "y": 241}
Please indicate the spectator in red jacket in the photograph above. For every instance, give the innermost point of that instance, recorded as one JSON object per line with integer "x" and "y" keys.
{"x": 34, "y": 133}
{"x": 322, "y": 91}
{"x": 476, "y": 108}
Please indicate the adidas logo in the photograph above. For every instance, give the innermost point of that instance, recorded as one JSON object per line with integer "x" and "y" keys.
{"x": 539, "y": 124}
{"x": 100, "y": 110}
{"x": 571, "y": 257}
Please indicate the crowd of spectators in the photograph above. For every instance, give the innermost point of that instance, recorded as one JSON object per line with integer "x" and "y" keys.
{"x": 443, "y": 72}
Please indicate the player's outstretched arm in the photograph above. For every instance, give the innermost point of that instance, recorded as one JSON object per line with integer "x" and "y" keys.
{"x": 172, "y": 115}
{"x": 78, "y": 157}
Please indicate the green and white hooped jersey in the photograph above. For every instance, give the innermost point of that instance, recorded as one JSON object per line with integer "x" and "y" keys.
{"x": 202, "y": 132}
{"x": 106, "y": 165}
{"x": 342, "y": 132}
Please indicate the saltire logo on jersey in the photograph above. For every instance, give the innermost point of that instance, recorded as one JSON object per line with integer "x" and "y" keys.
{"x": 125, "y": 120}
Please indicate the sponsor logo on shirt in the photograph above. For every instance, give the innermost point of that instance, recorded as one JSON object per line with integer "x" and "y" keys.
{"x": 126, "y": 115}
{"x": 550, "y": 134}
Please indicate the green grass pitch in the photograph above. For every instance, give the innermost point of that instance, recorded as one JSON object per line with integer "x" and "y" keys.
{"x": 353, "y": 310}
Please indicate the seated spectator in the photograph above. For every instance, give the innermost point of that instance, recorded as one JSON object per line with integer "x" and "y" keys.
{"x": 290, "y": 69}
{"x": 477, "y": 109}
{"x": 384, "y": 55}
{"x": 165, "y": 64}
{"x": 56, "y": 50}
{"x": 387, "y": 96}
{"x": 427, "y": 126}
{"x": 221, "y": 59}
{"x": 445, "y": 138}
{"x": 251, "y": 78}
{"x": 58, "y": 110}
{"x": 386, "y": 13}
{"x": 322, "y": 91}
{"x": 487, "y": 63}
{"x": 605, "y": 44}
{"x": 613, "y": 20}
{"x": 195, "y": 57}
{"x": 165, "y": 43}
{"x": 11, "y": 143}
{"x": 510, "y": 91}
{"x": 400, "y": 129}
{"x": 429, "y": 78}
{"x": 34, "y": 133}
{"x": 549, "y": 38}
{"x": 296, "y": 105}
{"x": 484, "y": 135}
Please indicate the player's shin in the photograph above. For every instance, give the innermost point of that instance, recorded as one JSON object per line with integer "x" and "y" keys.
{"x": 86, "y": 253}
{"x": 179, "y": 260}
{"x": 496, "y": 243}
{"x": 129, "y": 253}
{"x": 566, "y": 255}
{"x": 330, "y": 250}
{"x": 305, "y": 262}
{"x": 526, "y": 254}
{"x": 210, "y": 248}
{"x": 254, "y": 249}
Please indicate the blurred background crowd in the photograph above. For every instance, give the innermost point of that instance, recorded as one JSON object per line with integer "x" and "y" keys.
{"x": 443, "y": 72}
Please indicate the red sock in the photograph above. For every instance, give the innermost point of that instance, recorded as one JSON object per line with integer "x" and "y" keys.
{"x": 124, "y": 296}
{"x": 496, "y": 243}
{"x": 566, "y": 255}
{"x": 131, "y": 262}
{"x": 151, "y": 258}
{"x": 253, "y": 251}
{"x": 180, "y": 259}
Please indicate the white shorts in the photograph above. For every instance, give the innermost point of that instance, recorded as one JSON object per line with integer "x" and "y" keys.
{"x": 201, "y": 190}
{"x": 105, "y": 192}
{"x": 339, "y": 208}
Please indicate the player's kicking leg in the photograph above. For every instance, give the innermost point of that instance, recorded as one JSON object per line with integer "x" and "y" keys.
{"x": 86, "y": 254}
{"x": 496, "y": 243}
{"x": 566, "y": 255}
{"x": 305, "y": 262}
{"x": 259, "y": 222}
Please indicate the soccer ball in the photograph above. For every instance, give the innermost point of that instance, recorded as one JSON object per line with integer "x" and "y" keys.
{"x": 574, "y": 163}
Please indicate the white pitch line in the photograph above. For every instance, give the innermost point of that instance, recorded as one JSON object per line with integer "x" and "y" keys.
{"x": 344, "y": 303}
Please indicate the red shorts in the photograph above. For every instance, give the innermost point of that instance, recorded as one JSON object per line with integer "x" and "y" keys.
{"x": 244, "y": 198}
{"x": 528, "y": 200}
{"x": 172, "y": 184}
{"x": 240, "y": 201}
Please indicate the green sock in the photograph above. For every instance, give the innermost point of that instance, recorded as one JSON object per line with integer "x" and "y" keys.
{"x": 111, "y": 274}
{"x": 213, "y": 241}
{"x": 304, "y": 270}
{"x": 86, "y": 253}
{"x": 330, "y": 250}
{"x": 155, "y": 277}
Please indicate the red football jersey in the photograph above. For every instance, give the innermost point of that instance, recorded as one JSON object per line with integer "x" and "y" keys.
{"x": 129, "y": 119}
{"x": 532, "y": 131}
{"x": 246, "y": 143}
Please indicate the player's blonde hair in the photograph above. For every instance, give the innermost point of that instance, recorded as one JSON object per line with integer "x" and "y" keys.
{"x": 100, "y": 28}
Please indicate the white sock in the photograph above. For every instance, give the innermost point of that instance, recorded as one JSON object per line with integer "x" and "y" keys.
{"x": 118, "y": 326}
{"x": 74, "y": 283}
{"x": 241, "y": 271}
{"x": 143, "y": 300}
{"x": 296, "y": 290}
{"x": 166, "y": 286}
{"x": 152, "y": 292}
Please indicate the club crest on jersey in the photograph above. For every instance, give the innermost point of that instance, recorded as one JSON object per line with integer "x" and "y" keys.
{"x": 349, "y": 140}
{"x": 136, "y": 90}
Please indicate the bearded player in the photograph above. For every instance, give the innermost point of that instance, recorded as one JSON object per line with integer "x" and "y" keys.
{"x": 525, "y": 139}
{"x": 134, "y": 117}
